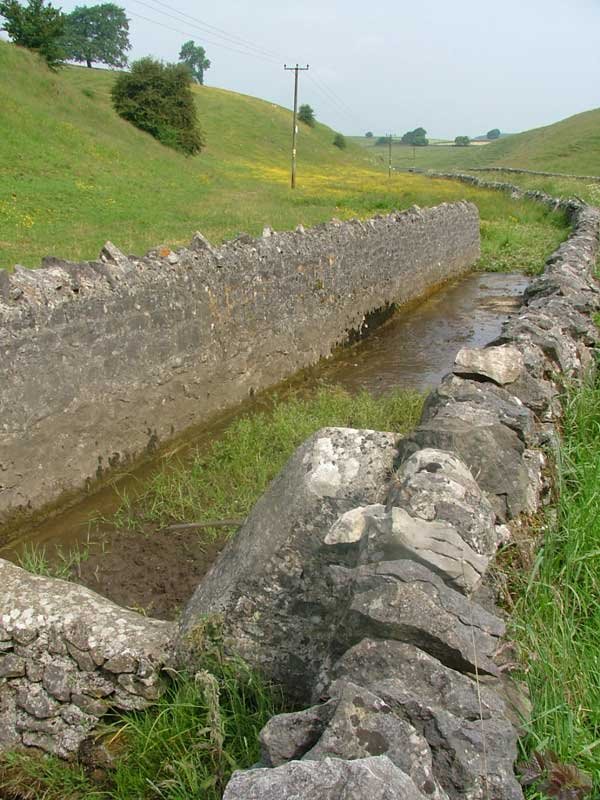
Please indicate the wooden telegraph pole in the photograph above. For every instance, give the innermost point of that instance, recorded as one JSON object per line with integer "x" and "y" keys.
{"x": 390, "y": 155}
{"x": 295, "y": 70}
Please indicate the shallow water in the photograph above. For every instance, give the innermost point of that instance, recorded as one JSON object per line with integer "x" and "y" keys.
{"x": 413, "y": 349}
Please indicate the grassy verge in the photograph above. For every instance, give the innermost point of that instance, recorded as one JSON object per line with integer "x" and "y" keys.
{"x": 556, "y": 618}
{"x": 185, "y": 748}
{"x": 227, "y": 480}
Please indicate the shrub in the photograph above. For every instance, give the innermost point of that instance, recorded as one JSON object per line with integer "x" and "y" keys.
{"x": 462, "y": 141}
{"x": 339, "y": 140}
{"x": 306, "y": 114}
{"x": 157, "y": 98}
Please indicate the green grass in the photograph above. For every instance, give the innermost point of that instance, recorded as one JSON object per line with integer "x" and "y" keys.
{"x": 73, "y": 174}
{"x": 556, "y": 619}
{"x": 227, "y": 480}
{"x": 571, "y": 145}
{"x": 184, "y": 748}
{"x": 34, "y": 558}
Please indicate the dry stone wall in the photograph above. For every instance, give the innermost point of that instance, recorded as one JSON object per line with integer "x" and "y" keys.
{"x": 359, "y": 580}
{"x": 68, "y": 657}
{"x": 517, "y": 171}
{"x": 102, "y": 360}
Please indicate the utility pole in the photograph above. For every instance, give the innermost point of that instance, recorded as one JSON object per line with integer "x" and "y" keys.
{"x": 390, "y": 155}
{"x": 295, "y": 70}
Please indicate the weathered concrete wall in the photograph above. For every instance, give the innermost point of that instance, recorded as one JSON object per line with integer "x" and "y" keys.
{"x": 100, "y": 361}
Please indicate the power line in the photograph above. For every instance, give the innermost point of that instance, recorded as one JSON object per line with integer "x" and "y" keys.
{"x": 212, "y": 29}
{"x": 235, "y": 44}
{"x": 338, "y": 104}
{"x": 187, "y": 33}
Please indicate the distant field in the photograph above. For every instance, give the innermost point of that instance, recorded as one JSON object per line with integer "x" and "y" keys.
{"x": 73, "y": 174}
{"x": 571, "y": 145}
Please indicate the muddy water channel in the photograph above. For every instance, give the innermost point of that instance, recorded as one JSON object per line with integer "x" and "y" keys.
{"x": 158, "y": 572}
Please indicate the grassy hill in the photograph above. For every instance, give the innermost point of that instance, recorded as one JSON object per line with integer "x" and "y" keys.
{"x": 571, "y": 145}
{"x": 73, "y": 174}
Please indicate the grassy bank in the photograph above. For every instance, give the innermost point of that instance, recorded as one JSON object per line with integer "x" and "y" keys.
{"x": 556, "y": 615}
{"x": 73, "y": 174}
{"x": 226, "y": 481}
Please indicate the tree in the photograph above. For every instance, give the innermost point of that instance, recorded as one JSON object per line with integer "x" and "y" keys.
{"x": 157, "y": 98}
{"x": 307, "y": 115}
{"x": 416, "y": 138}
{"x": 369, "y": 134}
{"x": 98, "y": 34}
{"x": 493, "y": 134}
{"x": 339, "y": 140}
{"x": 36, "y": 26}
{"x": 462, "y": 141}
{"x": 382, "y": 140}
{"x": 195, "y": 57}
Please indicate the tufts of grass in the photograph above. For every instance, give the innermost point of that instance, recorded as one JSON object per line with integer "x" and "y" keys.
{"x": 35, "y": 559}
{"x": 556, "y": 619}
{"x": 203, "y": 728}
{"x": 184, "y": 748}
{"x": 227, "y": 480}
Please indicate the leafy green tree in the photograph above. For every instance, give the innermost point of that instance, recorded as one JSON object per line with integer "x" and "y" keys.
{"x": 462, "y": 141}
{"x": 493, "y": 134}
{"x": 416, "y": 138}
{"x": 307, "y": 115}
{"x": 98, "y": 34}
{"x": 339, "y": 140}
{"x": 157, "y": 98}
{"x": 37, "y": 26}
{"x": 195, "y": 57}
{"x": 369, "y": 134}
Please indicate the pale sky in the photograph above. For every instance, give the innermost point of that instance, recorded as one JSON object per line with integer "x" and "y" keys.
{"x": 452, "y": 66}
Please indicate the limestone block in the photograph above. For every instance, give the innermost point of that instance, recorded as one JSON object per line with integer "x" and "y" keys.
{"x": 272, "y": 587}
{"x": 501, "y": 364}
{"x": 331, "y": 779}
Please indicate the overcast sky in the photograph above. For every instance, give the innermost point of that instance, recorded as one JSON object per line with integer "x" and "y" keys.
{"x": 452, "y": 66}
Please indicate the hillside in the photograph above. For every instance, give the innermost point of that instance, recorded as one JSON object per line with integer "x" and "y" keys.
{"x": 73, "y": 174}
{"x": 70, "y": 167}
{"x": 571, "y": 145}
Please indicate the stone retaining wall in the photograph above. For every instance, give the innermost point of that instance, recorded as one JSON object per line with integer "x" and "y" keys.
{"x": 360, "y": 582}
{"x": 517, "y": 171}
{"x": 101, "y": 361}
